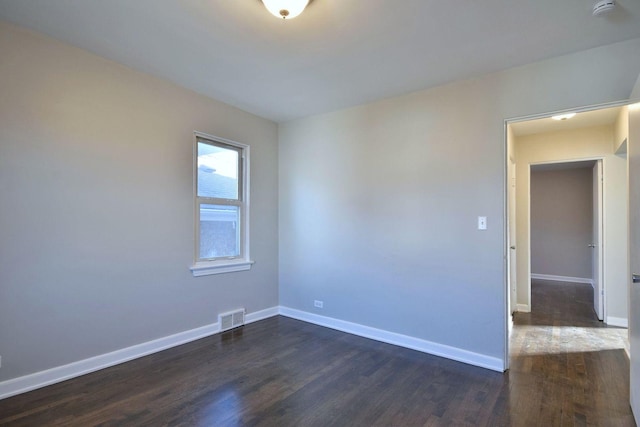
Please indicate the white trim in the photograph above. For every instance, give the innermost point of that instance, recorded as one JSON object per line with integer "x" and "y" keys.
{"x": 523, "y": 308}
{"x": 58, "y": 374}
{"x": 218, "y": 139}
{"x": 621, "y": 322}
{"x": 562, "y": 278}
{"x": 218, "y": 267}
{"x": 599, "y": 282}
{"x": 507, "y": 259}
{"x": 261, "y": 315}
{"x": 418, "y": 344}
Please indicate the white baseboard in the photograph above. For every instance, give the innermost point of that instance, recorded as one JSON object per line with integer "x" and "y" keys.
{"x": 58, "y": 374}
{"x": 261, "y": 315}
{"x": 562, "y": 278}
{"x": 418, "y": 344}
{"x": 523, "y": 308}
{"x": 617, "y": 321}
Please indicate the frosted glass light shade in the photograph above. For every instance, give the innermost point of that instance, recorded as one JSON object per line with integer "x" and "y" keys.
{"x": 286, "y": 9}
{"x": 563, "y": 116}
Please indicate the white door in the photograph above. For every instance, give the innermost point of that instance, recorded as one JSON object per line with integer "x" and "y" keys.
{"x": 633, "y": 153}
{"x": 512, "y": 236}
{"x": 596, "y": 242}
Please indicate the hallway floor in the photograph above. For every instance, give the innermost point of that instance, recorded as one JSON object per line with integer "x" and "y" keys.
{"x": 563, "y": 314}
{"x": 569, "y": 367}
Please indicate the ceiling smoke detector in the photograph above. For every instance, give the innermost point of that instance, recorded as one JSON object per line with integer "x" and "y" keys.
{"x": 603, "y": 7}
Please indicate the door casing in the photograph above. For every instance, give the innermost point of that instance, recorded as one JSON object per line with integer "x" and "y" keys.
{"x": 633, "y": 156}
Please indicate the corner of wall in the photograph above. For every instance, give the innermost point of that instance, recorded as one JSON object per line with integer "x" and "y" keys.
{"x": 635, "y": 92}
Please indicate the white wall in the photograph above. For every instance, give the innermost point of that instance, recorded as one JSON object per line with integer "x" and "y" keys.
{"x": 561, "y": 205}
{"x": 378, "y": 203}
{"x": 622, "y": 231}
{"x": 621, "y": 131}
{"x": 586, "y": 143}
{"x": 96, "y": 218}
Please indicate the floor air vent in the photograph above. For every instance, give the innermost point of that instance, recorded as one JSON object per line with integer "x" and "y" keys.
{"x": 231, "y": 320}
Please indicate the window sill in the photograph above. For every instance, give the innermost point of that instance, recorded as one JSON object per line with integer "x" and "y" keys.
{"x": 218, "y": 267}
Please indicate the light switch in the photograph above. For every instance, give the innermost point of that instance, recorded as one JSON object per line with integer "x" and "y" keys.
{"x": 482, "y": 223}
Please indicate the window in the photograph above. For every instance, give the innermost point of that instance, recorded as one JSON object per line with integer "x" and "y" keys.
{"x": 221, "y": 179}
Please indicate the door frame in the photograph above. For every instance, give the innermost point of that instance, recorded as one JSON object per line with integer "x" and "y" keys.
{"x": 512, "y": 242}
{"x": 601, "y": 310}
{"x": 505, "y": 201}
{"x": 634, "y": 333}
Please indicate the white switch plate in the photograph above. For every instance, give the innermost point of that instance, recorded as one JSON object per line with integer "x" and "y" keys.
{"x": 318, "y": 304}
{"x": 482, "y": 223}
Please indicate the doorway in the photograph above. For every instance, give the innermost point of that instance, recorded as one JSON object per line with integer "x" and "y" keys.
{"x": 566, "y": 211}
{"x": 592, "y": 136}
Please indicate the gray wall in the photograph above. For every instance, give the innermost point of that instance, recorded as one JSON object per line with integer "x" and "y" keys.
{"x": 378, "y": 203}
{"x": 96, "y": 212}
{"x": 561, "y": 222}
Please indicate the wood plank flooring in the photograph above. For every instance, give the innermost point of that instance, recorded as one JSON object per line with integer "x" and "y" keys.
{"x": 283, "y": 372}
{"x": 567, "y": 368}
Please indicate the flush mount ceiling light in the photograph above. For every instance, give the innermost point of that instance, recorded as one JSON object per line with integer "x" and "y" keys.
{"x": 566, "y": 116}
{"x": 285, "y": 9}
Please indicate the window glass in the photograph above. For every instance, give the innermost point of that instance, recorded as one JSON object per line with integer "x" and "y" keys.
{"x": 219, "y": 231}
{"x": 218, "y": 171}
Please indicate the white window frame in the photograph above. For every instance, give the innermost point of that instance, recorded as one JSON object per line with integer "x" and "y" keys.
{"x": 242, "y": 262}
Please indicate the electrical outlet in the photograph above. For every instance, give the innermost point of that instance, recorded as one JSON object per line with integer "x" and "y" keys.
{"x": 318, "y": 304}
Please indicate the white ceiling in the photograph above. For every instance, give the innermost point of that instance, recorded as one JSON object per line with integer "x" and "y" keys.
{"x": 338, "y": 53}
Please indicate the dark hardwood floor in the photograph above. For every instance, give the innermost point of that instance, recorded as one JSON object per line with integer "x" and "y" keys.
{"x": 283, "y": 372}
{"x": 567, "y": 367}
